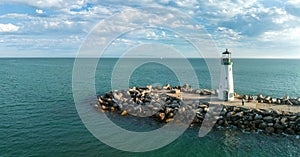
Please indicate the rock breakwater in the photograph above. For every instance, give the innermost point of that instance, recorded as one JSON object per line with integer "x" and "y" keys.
{"x": 161, "y": 104}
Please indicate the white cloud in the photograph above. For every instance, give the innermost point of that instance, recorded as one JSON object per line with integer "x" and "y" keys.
{"x": 286, "y": 35}
{"x": 8, "y": 27}
{"x": 58, "y": 4}
{"x": 226, "y": 33}
{"x": 39, "y": 11}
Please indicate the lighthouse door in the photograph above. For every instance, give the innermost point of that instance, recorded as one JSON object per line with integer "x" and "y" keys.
{"x": 226, "y": 95}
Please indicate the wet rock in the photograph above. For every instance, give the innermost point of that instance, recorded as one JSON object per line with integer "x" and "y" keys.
{"x": 269, "y": 130}
{"x": 103, "y": 107}
{"x": 162, "y": 116}
{"x": 289, "y": 131}
{"x": 262, "y": 125}
{"x": 278, "y": 131}
{"x": 124, "y": 113}
{"x": 169, "y": 120}
{"x": 112, "y": 109}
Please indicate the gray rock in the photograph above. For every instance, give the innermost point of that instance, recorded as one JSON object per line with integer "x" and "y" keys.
{"x": 197, "y": 91}
{"x": 293, "y": 118}
{"x": 229, "y": 114}
{"x": 186, "y": 87}
{"x": 262, "y": 125}
{"x": 257, "y": 117}
{"x": 283, "y": 120}
{"x": 240, "y": 114}
{"x": 288, "y": 102}
{"x": 268, "y": 119}
{"x": 203, "y": 106}
{"x": 278, "y": 126}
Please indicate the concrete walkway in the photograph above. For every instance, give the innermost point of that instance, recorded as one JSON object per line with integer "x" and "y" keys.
{"x": 254, "y": 104}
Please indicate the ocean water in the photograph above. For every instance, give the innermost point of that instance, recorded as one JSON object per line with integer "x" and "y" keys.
{"x": 38, "y": 116}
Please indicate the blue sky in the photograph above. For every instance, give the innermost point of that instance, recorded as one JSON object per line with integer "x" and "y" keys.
{"x": 56, "y": 28}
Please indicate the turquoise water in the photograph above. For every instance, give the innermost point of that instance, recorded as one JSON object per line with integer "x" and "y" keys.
{"x": 38, "y": 116}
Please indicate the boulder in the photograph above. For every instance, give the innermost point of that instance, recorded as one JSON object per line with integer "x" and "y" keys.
{"x": 124, "y": 113}
{"x": 262, "y": 125}
{"x": 269, "y": 130}
{"x": 278, "y": 126}
{"x": 205, "y": 92}
{"x": 197, "y": 91}
{"x": 289, "y": 131}
{"x": 149, "y": 87}
{"x": 268, "y": 119}
{"x": 185, "y": 87}
{"x": 166, "y": 87}
{"x": 267, "y": 98}
{"x": 293, "y": 118}
{"x": 283, "y": 120}
{"x": 203, "y": 106}
{"x": 229, "y": 114}
{"x": 288, "y": 102}
{"x": 260, "y": 97}
{"x": 169, "y": 120}
{"x": 240, "y": 114}
{"x": 162, "y": 116}
{"x": 117, "y": 96}
{"x": 257, "y": 117}
{"x": 104, "y": 107}
{"x": 236, "y": 95}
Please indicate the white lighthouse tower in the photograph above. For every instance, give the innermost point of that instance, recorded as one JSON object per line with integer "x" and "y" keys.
{"x": 226, "y": 89}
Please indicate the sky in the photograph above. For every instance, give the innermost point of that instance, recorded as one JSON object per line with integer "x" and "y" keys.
{"x": 58, "y": 28}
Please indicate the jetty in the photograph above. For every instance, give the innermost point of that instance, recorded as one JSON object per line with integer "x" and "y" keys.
{"x": 165, "y": 103}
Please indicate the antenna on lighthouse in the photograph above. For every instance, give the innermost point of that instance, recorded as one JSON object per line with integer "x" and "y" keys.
{"x": 226, "y": 88}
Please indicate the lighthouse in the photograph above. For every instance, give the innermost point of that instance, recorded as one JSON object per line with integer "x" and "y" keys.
{"x": 226, "y": 90}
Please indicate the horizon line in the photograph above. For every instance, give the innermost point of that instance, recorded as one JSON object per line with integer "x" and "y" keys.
{"x": 65, "y": 57}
